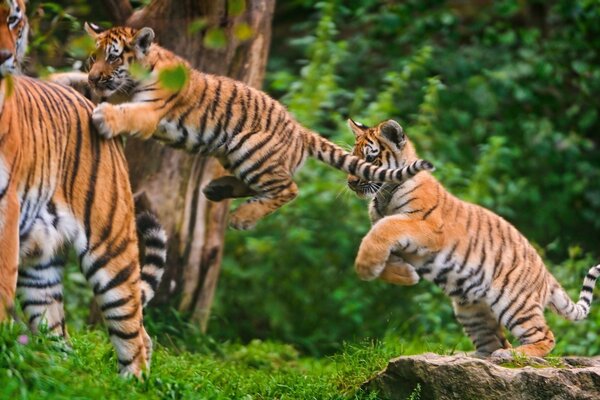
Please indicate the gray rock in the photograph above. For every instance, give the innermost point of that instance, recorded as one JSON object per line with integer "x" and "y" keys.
{"x": 462, "y": 377}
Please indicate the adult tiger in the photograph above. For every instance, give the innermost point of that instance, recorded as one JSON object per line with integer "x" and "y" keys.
{"x": 494, "y": 276}
{"x": 252, "y": 135}
{"x": 60, "y": 184}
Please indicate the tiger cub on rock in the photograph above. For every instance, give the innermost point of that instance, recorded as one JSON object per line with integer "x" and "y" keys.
{"x": 492, "y": 273}
{"x": 252, "y": 135}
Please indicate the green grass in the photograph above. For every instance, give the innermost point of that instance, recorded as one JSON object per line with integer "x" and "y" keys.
{"x": 41, "y": 366}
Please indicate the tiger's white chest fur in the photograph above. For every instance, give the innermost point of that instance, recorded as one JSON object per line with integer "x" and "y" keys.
{"x": 45, "y": 228}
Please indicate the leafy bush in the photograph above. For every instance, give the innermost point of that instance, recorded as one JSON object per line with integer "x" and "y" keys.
{"x": 501, "y": 98}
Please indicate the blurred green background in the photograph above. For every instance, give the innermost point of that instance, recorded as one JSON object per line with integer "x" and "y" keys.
{"x": 503, "y": 96}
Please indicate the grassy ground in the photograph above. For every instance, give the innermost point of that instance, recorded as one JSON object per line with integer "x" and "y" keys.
{"x": 40, "y": 366}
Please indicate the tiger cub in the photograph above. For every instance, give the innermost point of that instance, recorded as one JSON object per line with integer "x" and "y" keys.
{"x": 494, "y": 277}
{"x": 252, "y": 135}
{"x": 61, "y": 185}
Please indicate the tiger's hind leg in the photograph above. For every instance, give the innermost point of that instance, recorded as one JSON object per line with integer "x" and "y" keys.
{"x": 40, "y": 290}
{"x": 529, "y": 326}
{"x": 269, "y": 200}
{"x": 115, "y": 278}
{"x": 227, "y": 187}
{"x": 481, "y": 326}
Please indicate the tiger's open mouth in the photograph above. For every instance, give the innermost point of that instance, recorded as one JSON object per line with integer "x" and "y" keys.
{"x": 364, "y": 189}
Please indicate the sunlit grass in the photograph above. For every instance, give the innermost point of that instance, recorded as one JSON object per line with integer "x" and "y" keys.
{"x": 41, "y": 366}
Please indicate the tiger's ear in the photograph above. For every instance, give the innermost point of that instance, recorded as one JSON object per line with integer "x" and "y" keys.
{"x": 143, "y": 39}
{"x": 357, "y": 128}
{"x": 93, "y": 30}
{"x": 393, "y": 133}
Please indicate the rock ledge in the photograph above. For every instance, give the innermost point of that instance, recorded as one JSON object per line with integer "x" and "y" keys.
{"x": 463, "y": 377}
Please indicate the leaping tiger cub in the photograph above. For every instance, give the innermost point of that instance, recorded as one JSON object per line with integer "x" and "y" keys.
{"x": 494, "y": 276}
{"x": 252, "y": 135}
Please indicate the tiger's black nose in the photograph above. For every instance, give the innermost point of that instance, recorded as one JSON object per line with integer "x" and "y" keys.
{"x": 93, "y": 79}
{"x": 4, "y": 55}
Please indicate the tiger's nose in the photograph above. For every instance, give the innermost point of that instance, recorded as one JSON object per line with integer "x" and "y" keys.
{"x": 93, "y": 79}
{"x": 4, "y": 55}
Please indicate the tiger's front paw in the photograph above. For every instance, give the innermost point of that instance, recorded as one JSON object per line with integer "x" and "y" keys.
{"x": 104, "y": 118}
{"x": 368, "y": 265}
{"x": 399, "y": 273}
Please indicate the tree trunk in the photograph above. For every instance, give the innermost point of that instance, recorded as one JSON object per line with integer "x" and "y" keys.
{"x": 171, "y": 180}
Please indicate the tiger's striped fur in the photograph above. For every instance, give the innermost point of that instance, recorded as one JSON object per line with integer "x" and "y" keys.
{"x": 61, "y": 185}
{"x": 252, "y": 135}
{"x": 494, "y": 276}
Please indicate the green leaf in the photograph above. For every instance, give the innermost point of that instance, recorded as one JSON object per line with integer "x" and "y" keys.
{"x": 243, "y": 31}
{"x": 138, "y": 71}
{"x": 215, "y": 38}
{"x": 173, "y": 78}
{"x": 197, "y": 25}
{"x": 236, "y": 7}
{"x": 81, "y": 46}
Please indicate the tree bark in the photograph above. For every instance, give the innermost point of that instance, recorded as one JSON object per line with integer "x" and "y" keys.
{"x": 171, "y": 179}
{"x": 119, "y": 10}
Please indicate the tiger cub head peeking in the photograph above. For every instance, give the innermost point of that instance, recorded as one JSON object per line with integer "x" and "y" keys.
{"x": 13, "y": 35}
{"x": 385, "y": 145}
{"x": 117, "y": 49}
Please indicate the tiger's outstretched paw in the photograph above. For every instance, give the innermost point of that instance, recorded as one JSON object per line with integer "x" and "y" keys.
{"x": 104, "y": 119}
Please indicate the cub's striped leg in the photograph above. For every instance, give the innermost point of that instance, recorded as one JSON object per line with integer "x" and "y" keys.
{"x": 227, "y": 187}
{"x": 247, "y": 214}
{"x": 9, "y": 246}
{"x": 529, "y": 326}
{"x": 115, "y": 279}
{"x": 40, "y": 289}
{"x": 399, "y": 272}
{"x": 386, "y": 235}
{"x": 481, "y": 326}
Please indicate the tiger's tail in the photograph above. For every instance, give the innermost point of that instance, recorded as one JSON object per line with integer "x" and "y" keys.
{"x": 329, "y": 153}
{"x": 565, "y": 307}
{"x": 154, "y": 239}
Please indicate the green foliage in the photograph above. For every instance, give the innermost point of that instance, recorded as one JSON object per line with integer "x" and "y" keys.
{"x": 215, "y": 38}
{"x": 174, "y": 78}
{"x": 500, "y": 101}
